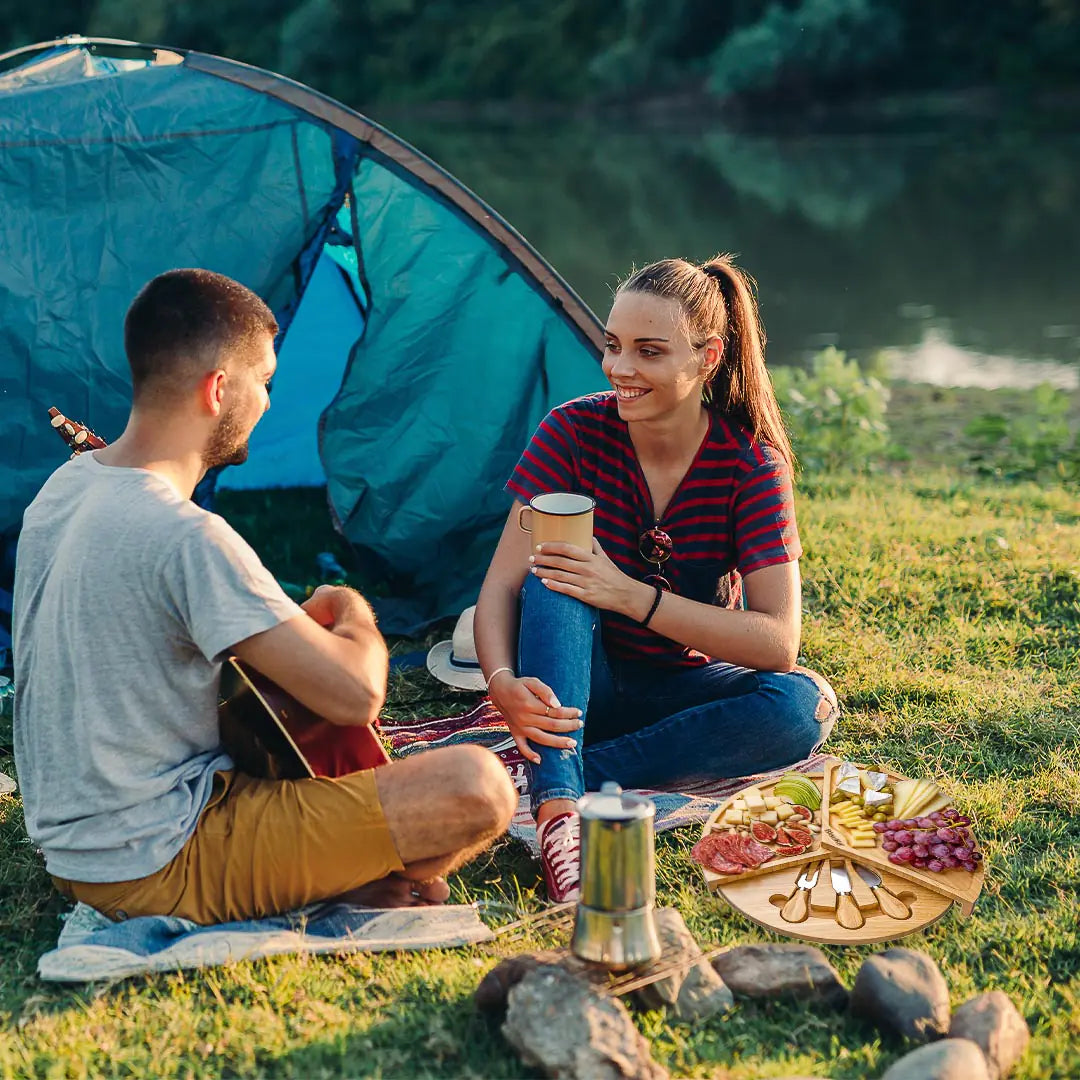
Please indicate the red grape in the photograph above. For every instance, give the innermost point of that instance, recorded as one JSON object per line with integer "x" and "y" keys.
{"x": 934, "y": 866}
{"x": 904, "y": 854}
{"x": 880, "y": 827}
{"x": 889, "y": 845}
{"x": 948, "y": 835}
{"x": 950, "y": 814}
{"x": 940, "y": 851}
{"x": 924, "y": 823}
{"x": 919, "y": 863}
{"x": 895, "y": 858}
{"x": 950, "y": 861}
{"x": 903, "y": 837}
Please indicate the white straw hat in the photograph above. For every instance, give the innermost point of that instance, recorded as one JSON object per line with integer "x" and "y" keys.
{"x": 454, "y": 662}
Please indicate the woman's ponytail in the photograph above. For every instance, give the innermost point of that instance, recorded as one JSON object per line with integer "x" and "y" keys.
{"x": 741, "y": 386}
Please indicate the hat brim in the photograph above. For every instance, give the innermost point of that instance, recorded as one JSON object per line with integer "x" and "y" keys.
{"x": 438, "y": 663}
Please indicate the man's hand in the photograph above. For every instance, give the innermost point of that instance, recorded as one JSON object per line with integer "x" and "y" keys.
{"x": 334, "y": 606}
{"x": 533, "y": 713}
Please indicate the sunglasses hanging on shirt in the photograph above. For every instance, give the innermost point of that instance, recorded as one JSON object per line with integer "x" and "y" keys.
{"x": 655, "y": 546}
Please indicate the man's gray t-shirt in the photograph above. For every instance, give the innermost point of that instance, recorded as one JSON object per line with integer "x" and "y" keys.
{"x": 127, "y": 599}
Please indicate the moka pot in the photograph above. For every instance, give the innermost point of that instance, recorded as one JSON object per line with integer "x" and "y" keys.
{"x": 614, "y": 921}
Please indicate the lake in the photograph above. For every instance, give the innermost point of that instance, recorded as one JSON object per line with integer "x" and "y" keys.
{"x": 957, "y": 254}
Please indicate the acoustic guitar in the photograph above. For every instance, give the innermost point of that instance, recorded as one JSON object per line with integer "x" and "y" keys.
{"x": 264, "y": 730}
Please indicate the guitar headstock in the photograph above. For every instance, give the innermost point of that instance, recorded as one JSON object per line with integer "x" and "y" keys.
{"x": 78, "y": 437}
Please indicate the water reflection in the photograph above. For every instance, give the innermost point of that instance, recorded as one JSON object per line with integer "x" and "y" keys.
{"x": 937, "y": 361}
{"x": 856, "y": 241}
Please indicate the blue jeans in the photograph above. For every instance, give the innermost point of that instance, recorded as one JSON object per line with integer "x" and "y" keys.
{"x": 653, "y": 727}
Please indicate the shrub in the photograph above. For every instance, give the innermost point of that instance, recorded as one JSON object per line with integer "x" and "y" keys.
{"x": 835, "y": 412}
{"x": 1037, "y": 445}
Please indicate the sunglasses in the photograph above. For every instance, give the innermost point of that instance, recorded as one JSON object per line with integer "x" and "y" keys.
{"x": 655, "y": 546}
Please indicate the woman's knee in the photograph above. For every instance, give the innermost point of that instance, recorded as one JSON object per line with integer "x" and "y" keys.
{"x": 807, "y": 700}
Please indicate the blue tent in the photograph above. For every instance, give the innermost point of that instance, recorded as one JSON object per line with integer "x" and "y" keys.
{"x": 422, "y": 337}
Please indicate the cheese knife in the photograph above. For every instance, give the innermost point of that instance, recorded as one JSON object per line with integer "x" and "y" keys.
{"x": 848, "y": 914}
{"x": 889, "y": 902}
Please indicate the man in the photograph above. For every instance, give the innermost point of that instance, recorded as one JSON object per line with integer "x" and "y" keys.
{"x": 128, "y": 597}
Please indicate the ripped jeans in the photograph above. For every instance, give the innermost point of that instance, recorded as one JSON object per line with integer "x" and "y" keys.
{"x": 689, "y": 725}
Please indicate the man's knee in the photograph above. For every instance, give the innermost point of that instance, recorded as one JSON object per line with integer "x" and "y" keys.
{"x": 477, "y": 782}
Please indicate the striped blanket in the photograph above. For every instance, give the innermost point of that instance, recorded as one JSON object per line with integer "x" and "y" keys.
{"x": 484, "y": 726}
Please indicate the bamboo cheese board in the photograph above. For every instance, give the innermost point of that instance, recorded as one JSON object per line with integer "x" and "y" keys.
{"x": 960, "y": 885}
{"x": 843, "y": 889}
{"x": 763, "y": 900}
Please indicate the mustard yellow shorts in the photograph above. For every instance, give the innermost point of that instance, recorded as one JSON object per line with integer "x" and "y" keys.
{"x": 261, "y": 847}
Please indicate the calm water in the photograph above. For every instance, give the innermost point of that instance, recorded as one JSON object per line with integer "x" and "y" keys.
{"x": 956, "y": 254}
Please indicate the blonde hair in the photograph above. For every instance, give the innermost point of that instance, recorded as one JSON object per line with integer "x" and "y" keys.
{"x": 717, "y": 300}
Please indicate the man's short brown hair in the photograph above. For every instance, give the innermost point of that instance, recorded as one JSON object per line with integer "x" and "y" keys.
{"x": 186, "y": 322}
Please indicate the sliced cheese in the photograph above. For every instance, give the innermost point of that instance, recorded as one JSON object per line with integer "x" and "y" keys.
{"x": 772, "y": 801}
{"x": 860, "y": 842}
{"x": 784, "y": 811}
{"x": 902, "y": 793}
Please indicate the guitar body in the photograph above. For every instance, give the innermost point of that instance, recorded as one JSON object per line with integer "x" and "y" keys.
{"x": 270, "y": 734}
{"x": 266, "y": 732}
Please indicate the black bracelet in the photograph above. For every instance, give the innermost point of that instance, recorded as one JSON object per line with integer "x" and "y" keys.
{"x": 655, "y": 604}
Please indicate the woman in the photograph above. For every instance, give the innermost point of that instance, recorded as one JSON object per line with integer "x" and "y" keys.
{"x": 690, "y": 467}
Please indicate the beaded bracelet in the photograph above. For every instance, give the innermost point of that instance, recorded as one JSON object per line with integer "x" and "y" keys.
{"x": 655, "y": 605}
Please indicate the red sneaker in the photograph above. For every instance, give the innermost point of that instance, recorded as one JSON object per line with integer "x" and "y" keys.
{"x": 560, "y": 856}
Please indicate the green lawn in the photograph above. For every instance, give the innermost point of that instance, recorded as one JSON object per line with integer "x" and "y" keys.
{"x": 946, "y": 611}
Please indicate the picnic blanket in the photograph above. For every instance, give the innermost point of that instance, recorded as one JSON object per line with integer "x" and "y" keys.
{"x": 484, "y": 725}
{"x": 92, "y": 948}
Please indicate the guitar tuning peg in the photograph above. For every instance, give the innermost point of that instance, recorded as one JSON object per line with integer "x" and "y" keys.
{"x": 80, "y": 437}
{"x": 58, "y": 420}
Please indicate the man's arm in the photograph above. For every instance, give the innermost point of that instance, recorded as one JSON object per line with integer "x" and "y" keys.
{"x": 331, "y": 659}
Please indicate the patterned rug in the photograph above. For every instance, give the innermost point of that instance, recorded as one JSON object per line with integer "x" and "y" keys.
{"x": 484, "y": 726}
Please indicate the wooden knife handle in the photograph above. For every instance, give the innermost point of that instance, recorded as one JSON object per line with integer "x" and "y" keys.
{"x": 848, "y": 914}
{"x": 797, "y": 907}
{"x": 891, "y": 904}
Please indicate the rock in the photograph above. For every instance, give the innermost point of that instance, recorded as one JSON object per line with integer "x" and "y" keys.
{"x": 767, "y": 971}
{"x": 994, "y": 1024}
{"x": 949, "y": 1059}
{"x": 490, "y": 995}
{"x": 902, "y": 991}
{"x": 562, "y": 1025}
{"x": 695, "y": 992}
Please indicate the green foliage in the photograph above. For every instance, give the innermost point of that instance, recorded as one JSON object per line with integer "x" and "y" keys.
{"x": 835, "y": 412}
{"x": 817, "y": 42}
{"x": 567, "y": 50}
{"x": 1038, "y": 444}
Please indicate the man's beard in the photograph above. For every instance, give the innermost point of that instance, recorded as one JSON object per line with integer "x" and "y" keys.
{"x": 226, "y": 446}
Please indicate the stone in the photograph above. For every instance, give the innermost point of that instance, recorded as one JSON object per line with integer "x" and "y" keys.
{"x": 995, "y": 1025}
{"x": 770, "y": 971}
{"x": 695, "y": 991}
{"x": 561, "y": 1024}
{"x": 948, "y": 1059}
{"x": 490, "y": 995}
{"x": 902, "y": 991}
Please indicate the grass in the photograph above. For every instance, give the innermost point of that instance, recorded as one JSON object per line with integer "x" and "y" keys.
{"x": 945, "y": 610}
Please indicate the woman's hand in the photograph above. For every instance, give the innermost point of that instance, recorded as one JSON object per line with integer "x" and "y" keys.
{"x": 590, "y": 576}
{"x": 533, "y": 713}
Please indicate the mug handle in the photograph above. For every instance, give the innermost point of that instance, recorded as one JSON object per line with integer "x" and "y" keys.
{"x": 521, "y": 511}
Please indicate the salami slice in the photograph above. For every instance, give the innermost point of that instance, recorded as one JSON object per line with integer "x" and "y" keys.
{"x": 709, "y": 851}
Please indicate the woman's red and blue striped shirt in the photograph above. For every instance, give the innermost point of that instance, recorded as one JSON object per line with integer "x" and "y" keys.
{"x": 732, "y": 511}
